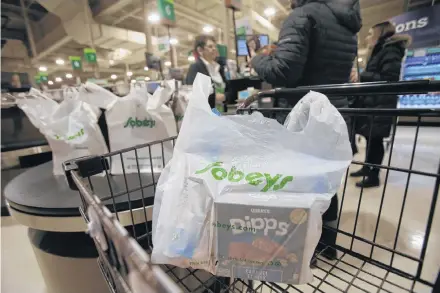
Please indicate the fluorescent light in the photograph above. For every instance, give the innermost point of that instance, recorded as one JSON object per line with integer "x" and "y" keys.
{"x": 191, "y": 58}
{"x": 147, "y": 78}
{"x": 129, "y": 73}
{"x": 118, "y": 54}
{"x": 167, "y": 63}
{"x": 42, "y": 68}
{"x": 58, "y": 79}
{"x": 208, "y": 29}
{"x": 69, "y": 76}
{"x": 113, "y": 76}
{"x": 154, "y": 18}
{"x": 269, "y": 11}
{"x": 146, "y": 68}
{"x": 111, "y": 62}
{"x": 59, "y": 61}
{"x": 133, "y": 81}
{"x": 50, "y": 82}
{"x": 174, "y": 41}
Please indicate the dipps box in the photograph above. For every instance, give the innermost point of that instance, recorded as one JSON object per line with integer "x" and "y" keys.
{"x": 261, "y": 240}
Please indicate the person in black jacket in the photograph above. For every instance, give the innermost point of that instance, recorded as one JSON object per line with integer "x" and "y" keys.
{"x": 317, "y": 45}
{"x": 386, "y": 51}
{"x": 206, "y": 49}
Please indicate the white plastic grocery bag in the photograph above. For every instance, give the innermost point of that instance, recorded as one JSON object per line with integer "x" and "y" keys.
{"x": 70, "y": 127}
{"x": 180, "y": 103}
{"x": 136, "y": 119}
{"x": 243, "y": 195}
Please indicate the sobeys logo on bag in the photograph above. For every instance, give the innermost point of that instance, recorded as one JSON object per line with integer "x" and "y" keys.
{"x": 135, "y": 122}
{"x": 80, "y": 133}
{"x": 274, "y": 182}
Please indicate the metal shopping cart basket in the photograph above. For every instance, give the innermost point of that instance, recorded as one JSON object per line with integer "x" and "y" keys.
{"x": 385, "y": 240}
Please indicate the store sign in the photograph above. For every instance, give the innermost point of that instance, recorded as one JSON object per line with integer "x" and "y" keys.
{"x": 222, "y": 50}
{"x": 423, "y": 25}
{"x": 163, "y": 44}
{"x": 43, "y": 77}
{"x": 166, "y": 11}
{"x": 243, "y": 26}
{"x": 76, "y": 62}
{"x": 234, "y": 4}
{"x": 90, "y": 55}
{"x": 37, "y": 79}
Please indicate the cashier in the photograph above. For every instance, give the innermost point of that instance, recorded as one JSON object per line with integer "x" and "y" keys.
{"x": 205, "y": 48}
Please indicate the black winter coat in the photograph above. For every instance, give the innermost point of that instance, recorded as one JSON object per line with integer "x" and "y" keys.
{"x": 384, "y": 64}
{"x": 317, "y": 45}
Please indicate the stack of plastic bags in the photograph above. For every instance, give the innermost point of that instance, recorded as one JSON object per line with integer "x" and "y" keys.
{"x": 72, "y": 131}
{"x": 243, "y": 195}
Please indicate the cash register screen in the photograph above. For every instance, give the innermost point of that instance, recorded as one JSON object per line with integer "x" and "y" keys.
{"x": 241, "y": 44}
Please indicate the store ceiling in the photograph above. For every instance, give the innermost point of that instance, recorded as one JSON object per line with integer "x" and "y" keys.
{"x": 59, "y": 29}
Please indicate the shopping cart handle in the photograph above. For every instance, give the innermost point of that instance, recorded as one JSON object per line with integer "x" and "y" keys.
{"x": 255, "y": 97}
{"x": 356, "y": 89}
{"x": 86, "y": 167}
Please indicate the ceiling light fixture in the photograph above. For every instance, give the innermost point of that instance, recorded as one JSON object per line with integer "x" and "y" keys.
{"x": 269, "y": 11}
{"x": 133, "y": 81}
{"x": 167, "y": 63}
{"x": 147, "y": 78}
{"x": 69, "y": 76}
{"x": 153, "y": 18}
{"x": 129, "y": 73}
{"x": 360, "y": 59}
{"x": 118, "y": 55}
{"x": 58, "y": 79}
{"x": 146, "y": 68}
{"x": 111, "y": 62}
{"x": 208, "y": 29}
{"x": 191, "y": 58}
{"x": 174, "y": 41}
{"x": 59, "y": 61}
{"x": 42, "y": 68}
{"x": 50, "y": 82}
{"x": 113, "y": 76}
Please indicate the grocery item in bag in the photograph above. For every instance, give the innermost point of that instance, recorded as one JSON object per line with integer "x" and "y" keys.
{"x": 135, "y": 119}
{"x": 70, "y": 127}
{"x": 243, "y": 195}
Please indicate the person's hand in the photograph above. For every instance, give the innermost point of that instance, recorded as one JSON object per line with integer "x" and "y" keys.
{"x": 266, "y": 50}
{"x": 219, "y": 98}
{"x": 354, "y": 77}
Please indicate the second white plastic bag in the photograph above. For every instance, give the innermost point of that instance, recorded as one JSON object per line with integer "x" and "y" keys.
{"x": 71, "y": 127}
{"x": 136, "y": 119}
{"x": 243, "y": 195}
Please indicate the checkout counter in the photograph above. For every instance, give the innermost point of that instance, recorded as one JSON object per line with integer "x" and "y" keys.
{"x": 22, "y": 146}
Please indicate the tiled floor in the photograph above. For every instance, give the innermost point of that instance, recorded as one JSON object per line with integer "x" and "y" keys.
{"x": 20, "y": 272}
{"x": 19, "y": 269}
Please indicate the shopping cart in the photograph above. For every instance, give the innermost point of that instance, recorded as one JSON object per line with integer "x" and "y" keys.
{"x": 378, "y": 251}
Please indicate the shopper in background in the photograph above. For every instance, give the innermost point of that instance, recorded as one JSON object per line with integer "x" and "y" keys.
{"x": 317, "y": 45}
{"x": 206, "y": 50}
{"x": 15, "y": 81}
{"x": 253, "y": 44}
{"x": 385, "y": 53}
